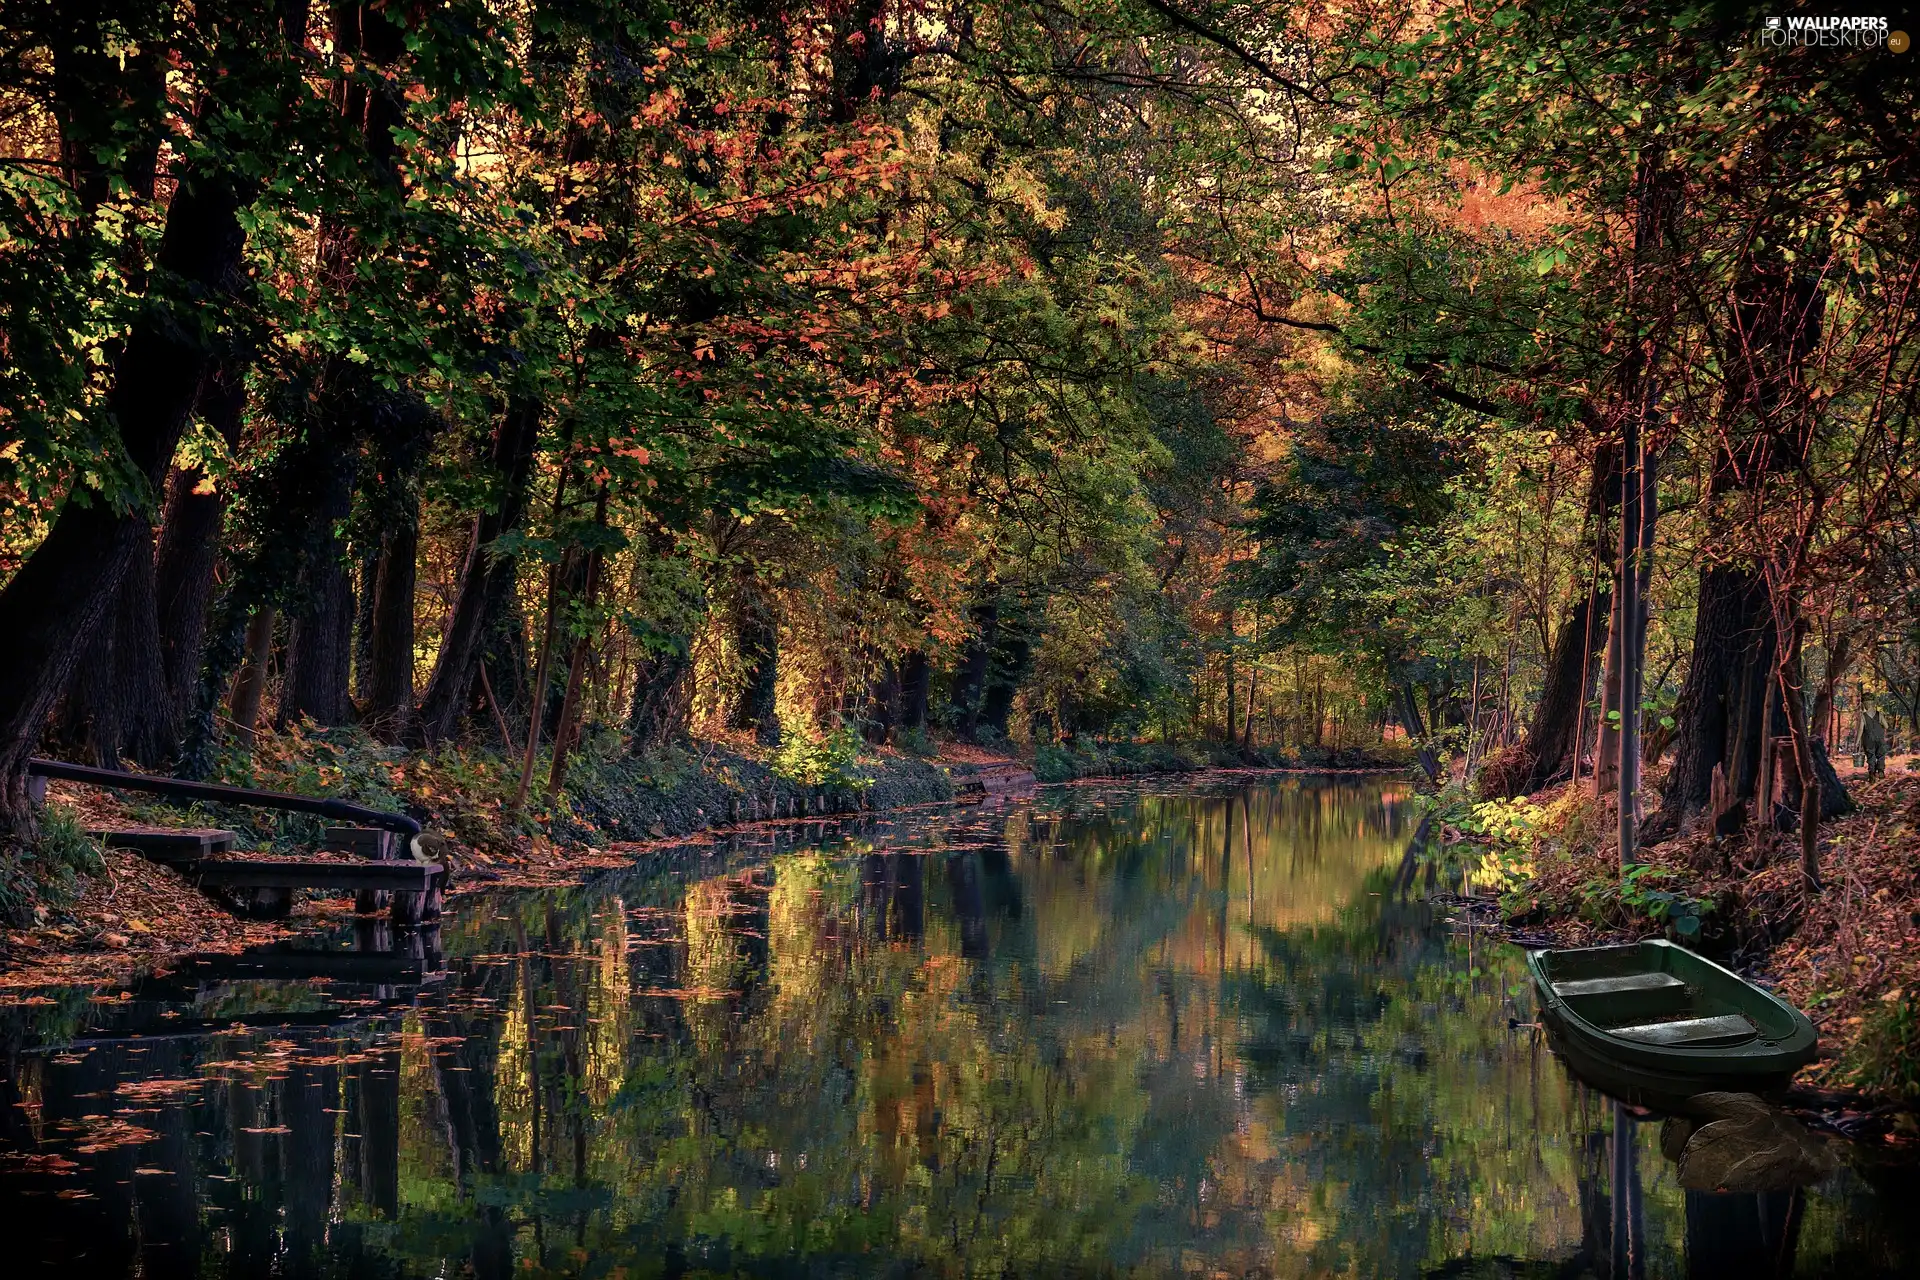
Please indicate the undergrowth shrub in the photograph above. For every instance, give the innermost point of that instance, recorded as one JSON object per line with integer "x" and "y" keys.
{"x": 831, "y": 760}
{"x": 50, "y": 872}
{"x": 1646, "y": 894}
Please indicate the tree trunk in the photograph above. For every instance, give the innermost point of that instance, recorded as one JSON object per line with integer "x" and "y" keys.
{"x": 1253, "y": 686}
{"x": 66, "y": 586}
{"x": 1417, "y": 732}
{"x": 249, "y": 689}
{"x": 486, "y": 581}
{"x": 320, "y": 650}
{"x": 1232, "y": 723}
{"x": 1839, "y": 658}
{"x": 1013, "y": 654}
{"x": 543, "y": 665}
{"x": 190, "y": 544}
{"x": 757, "y": 636}
{"x": 566, "y": 731}
{"x": 1793, "y": 696}
{"x": 916, "y": 676}
{"x": 883, "y": 696}
{"x": 390, "y": 656}
{"x": 662, "y": 700}
{"x": 320, "y": 637}
{"x": 117, "y": 705}
{"x": 1723, "y": 712}
{"x": 970, "y": 680}
{"x": 1626, "y": 635}
{"x": 1553, "y": 735}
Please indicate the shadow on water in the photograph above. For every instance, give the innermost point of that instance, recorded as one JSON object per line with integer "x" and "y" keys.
{"x": 1147, "y": 1029}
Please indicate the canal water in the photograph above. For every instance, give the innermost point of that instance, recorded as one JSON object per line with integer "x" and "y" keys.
{"x": 1202, "y": 1028}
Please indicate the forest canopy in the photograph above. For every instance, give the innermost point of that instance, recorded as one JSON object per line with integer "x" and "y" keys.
{"x": 545, "y": 377}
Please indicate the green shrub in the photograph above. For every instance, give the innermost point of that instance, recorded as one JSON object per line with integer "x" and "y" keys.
{"x": 829, "y": 761}
{"x": 1643, "y": 892}
{"x": 50, "y": 871}
{"x": 1054, "y": 764}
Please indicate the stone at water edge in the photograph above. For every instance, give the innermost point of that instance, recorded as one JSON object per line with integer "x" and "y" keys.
{"x": 1729, "y": 1106}
{"x": 1674, "y": 1132}
{"x": 1745, "y": 1145}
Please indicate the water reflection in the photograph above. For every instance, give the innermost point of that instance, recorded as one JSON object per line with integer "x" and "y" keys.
{"x": 1131, "y": 1030}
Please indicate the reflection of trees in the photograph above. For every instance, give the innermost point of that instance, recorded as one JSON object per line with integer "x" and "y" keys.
{"x": 1112, "y": 1034}
{"x": 1415, "y": 1125}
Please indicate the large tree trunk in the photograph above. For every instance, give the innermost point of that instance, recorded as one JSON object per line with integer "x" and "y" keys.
{"x": 1012, "y": 658}
{"x": 403, "y": 430}
{"x": 1724, "y": 710}
{"x": 1555, "y": 732}
{"x": 117, "y": 705}
{"x": 64, "y": 589}
{"x": 190, "y": 544}
{"x": 390, "y": 655}
{"x": 320, "y": 642}
{"x": 482, "y": 607}
{"x": 351, "y": 409}
{"x": 1552, "y": 738}
{"x": 883, "y": 696}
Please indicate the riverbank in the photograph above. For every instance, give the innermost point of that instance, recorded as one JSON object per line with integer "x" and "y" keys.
{"x": 1085, "y": 758}
{"x": 119, "y": 913}
{"x": 111, "y": 913}
{"x": 1847, "y": 953}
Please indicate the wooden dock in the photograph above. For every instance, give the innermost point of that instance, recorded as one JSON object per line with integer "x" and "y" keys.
{"x": 385, "y": 878}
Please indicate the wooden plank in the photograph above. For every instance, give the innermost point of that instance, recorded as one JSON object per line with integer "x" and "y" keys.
{"x": 369, "y": 842}
{"x": 406, "y": 877}
{"x": 1722, "y": 1029}
{"x": 167, "y": 844}
{"x": 1618, "y": 984}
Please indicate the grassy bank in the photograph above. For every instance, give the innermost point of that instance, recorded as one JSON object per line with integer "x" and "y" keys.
{"x": 1848, "y": 952}
{"x": 1087, "y": 758}
{"x": 84, "y": 913}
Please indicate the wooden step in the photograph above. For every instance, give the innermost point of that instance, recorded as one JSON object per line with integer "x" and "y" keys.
{"x": 167, "y": 844}
{"x": 1617, "y": 985}
{"x": 294, "y": 873}
{"x": 1703, "y": 1033}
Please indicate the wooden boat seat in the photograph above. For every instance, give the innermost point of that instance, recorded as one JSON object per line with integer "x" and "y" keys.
{"x": 1691, "y": 1033}
{"x": 1617, "y": 985}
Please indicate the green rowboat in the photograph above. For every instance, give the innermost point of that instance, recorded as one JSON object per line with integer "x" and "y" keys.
{"x": 1654, "y": 1020}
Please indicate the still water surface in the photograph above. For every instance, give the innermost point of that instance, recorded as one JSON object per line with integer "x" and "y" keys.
{"x": 1195, "y": 1029}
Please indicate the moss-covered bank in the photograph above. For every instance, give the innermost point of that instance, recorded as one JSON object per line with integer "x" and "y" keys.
{"x": 651, "y": 800}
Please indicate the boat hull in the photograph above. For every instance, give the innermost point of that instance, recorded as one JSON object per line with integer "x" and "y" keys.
{"x": 1655, "y": 1024}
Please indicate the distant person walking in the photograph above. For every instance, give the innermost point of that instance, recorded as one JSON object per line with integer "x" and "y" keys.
{"x": 1873, "y": 744}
